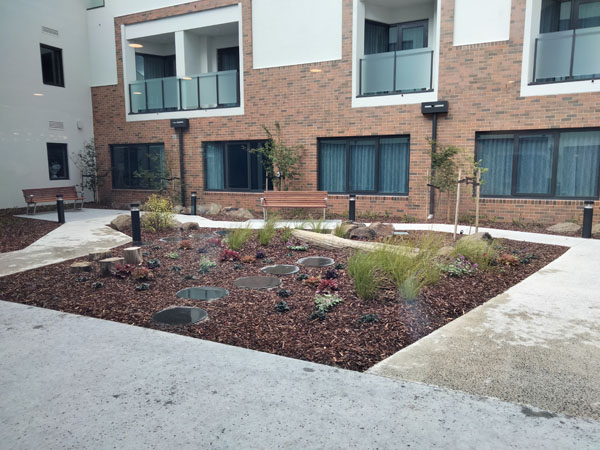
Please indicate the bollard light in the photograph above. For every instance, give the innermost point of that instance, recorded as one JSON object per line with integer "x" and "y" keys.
{"x": 352, "y": 207}
{"x": 193, "y": 208}
{"x": 588, "y": 215}
{"x": 136, "y": 231}
{"x": 60, "y": 208}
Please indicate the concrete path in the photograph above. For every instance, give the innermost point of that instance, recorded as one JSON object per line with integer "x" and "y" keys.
{"x": 538, "y": 343}
{"x": 74, "y": 382}
{"x": 83, "y": 232}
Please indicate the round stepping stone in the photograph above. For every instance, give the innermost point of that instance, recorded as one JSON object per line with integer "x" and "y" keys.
{"x": 180, "y": 315}
{"x": 204, "y": 293}
{"x": 172, "y": 239}
{"x": 257, "y": 282}
{"x": 315, "y": 261}
{"x": 201, "y": 236}
{"x": 281, "y": 269}
{"x": 222, "y": 233}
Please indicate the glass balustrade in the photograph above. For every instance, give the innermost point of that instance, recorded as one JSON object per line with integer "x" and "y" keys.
{"x": 567, "y": 56}
{"x": 205, "y": 91}
{"x": 396, "y": 72}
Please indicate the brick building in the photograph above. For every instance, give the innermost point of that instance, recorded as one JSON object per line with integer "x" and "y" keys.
{"x": 346, "y": 79}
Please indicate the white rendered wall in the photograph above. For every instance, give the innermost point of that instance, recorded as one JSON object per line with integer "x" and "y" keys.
{"x": 477, "y": 21}
{"x": 288, "y": 32}
{"x": 24, "y": 118}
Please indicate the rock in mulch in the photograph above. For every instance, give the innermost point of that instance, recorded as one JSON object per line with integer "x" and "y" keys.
{"x": 238, "y": 213}
{"x": 564, "y": 227}
{"x": 187, "y": 226}
{"x": 382, "y": 229}
{"x": 210, "y": 209}
{"x": 481, "y": 236}
{"x": 121, "y": 222}
{"x": 362, "y": 233}
{"x": 596, "y": 229}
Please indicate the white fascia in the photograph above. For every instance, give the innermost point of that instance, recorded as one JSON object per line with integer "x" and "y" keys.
{"x": 358, "y": 16}
{"x": 172, "y": 25}
{"x": 532, "y": 22}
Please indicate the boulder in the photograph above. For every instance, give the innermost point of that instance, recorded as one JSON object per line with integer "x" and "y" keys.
{"x": 481, "y": 236}
{"x": 238, "y": 213}
{"x": 596, "y": 229}
{"x": 382, "y": 229}
{"x": 362, "y": 233}
{"x": 187, "y": 226}
{"x": 175, "y": 224}
{"x": 349, "y": 226}
{"x": 564, "y": 227}
{"x": 179, "y": 209}
{"x": 210, "y": 209}
{"x": 121, "y": 222}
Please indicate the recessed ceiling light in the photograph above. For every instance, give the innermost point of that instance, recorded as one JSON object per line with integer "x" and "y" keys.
{"x": 134, "y": 45}
{"x": 137, "y": 93}
{"x": 37, "y": 94}
{"x": 315, "y": 70}
{"x": 186, "y": 78}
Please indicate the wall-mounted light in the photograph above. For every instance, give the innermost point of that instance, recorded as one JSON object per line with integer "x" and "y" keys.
{"x": 186, "y": 78}
{"x": 37, "y": 94}
{"x": 136, "y": 93}
{"x": 134, "y": 45}
{"x": 315, "y": 70}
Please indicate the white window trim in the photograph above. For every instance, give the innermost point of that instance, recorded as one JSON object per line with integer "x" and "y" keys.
{"x": 397, "y": 99}
{"x": 532, "y": 24}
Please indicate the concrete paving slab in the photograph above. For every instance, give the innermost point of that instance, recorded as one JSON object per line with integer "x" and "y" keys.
{"x": 537, "y": 343}
{"x": 69, "y": 381}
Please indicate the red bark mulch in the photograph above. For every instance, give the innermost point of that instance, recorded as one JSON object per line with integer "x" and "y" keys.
{"x": 17, "y": 233}
{"x": 248, "y": 318}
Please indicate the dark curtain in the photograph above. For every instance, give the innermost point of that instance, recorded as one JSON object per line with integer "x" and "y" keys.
{"x": 376, "y": 37}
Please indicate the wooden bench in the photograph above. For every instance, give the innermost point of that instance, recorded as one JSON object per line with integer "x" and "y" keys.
{"x": 48, "y": 195}
{"x": 293, "y": 199}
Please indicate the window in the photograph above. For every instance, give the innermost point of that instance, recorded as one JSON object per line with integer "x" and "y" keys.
{"x": 58, "y": 162}
{"x": 92, "y": 4}
{"x": 228, "y": 59}
{"x": 149, "y": 67}
{"x": 52, "y": 66}
{"x": 559, "y": 164}
{"x": 381, "y": 37}
{"x": 138, "y": 166}
{"x": 232, "y": 166}
{"x": 562, "y": 15}
{"x": 364, "y": 165}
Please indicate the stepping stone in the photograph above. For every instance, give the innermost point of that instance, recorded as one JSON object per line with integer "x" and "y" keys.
{"x": 81, "y": 267}
{"x": 316, "y": 261}
{"x": 222, "y": 232}
{"x": 205, "y": 293}
{"x": 109, "y": 265}
{"x": 201, "y": 236}
{"x": 172, "y": 239}
{"x": 257, "y": 282}
{"x": 180, "y": 315}
{"x": 281, "y": 269}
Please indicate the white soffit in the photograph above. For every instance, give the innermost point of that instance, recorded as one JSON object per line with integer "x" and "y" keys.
{"x": 478, "y": 21}
{"x": 288, "y": 32}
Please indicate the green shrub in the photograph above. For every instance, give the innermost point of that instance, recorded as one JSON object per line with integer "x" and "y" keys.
{"x": 316, "y": 226}
{"x": 339, "y": 231}
{"x": 363, "y": 271}
{"x": 265, "y": 234}
{"x": 481, "y": 252}
{"x": 238, "y": 237}
{"x": 323, "y": 303}
{"x": 410, "y": 288}
{"x": 286, "y": 234}
{"x": 158, "y": 213}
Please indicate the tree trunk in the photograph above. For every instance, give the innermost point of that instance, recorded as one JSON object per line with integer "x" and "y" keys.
{"x": 109, "y": 265}
{"x": 133, "y": 255}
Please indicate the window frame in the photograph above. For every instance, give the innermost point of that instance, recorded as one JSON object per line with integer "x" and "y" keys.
{"x": 65, "y": 158}
{"x": 112, "y": 164}
{"x": 376, "y": 181}
{"x": 57, "y": 61}
{"x": 226, "y": 174}
{"x": 399, "y": 31}
{"x": 555, "y": 133}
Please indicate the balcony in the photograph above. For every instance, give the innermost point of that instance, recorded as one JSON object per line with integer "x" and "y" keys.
{"x": 567, "y": 56}
{"x": 205, "y": 91}
{"x": 396, "y": 72}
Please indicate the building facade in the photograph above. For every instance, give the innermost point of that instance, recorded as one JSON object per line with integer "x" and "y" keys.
{"x": 345, "y": 79}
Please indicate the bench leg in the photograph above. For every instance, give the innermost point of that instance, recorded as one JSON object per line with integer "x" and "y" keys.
{"x": 324, "y": 209}
{"x": 34, "y": 208}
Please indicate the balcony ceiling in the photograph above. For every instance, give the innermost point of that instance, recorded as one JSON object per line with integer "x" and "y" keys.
{"x": 167, "y": 38}
{"x": 223, "y": 29}
{"x": 399, "y": 3}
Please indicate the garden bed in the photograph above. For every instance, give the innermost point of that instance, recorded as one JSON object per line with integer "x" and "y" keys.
{"x": 355, "y": 334}
{"x": 16, "y": 233}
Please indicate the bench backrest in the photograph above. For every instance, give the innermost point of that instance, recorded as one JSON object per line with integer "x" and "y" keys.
{"x": 48, "y": 194}
{"x": 295, "y": 198}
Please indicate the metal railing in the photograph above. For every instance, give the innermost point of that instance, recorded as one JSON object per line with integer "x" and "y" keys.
{"x": 205, "y": 91}
{"x": 397, "y": 72}
{"x": 567, "y": 56}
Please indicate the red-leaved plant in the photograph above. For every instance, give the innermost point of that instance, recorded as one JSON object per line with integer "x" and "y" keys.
{"x": 229, "y": 255}
{"x": 327, "y": 286}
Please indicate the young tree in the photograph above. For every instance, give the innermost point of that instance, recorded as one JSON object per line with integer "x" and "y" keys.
{"x": 444, "y": 170}
{"x": 279, "y": 159}
{"x": 86, "y": 162}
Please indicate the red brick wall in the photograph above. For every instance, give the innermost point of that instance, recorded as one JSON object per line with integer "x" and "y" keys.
{"x": 481, "y": 83}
